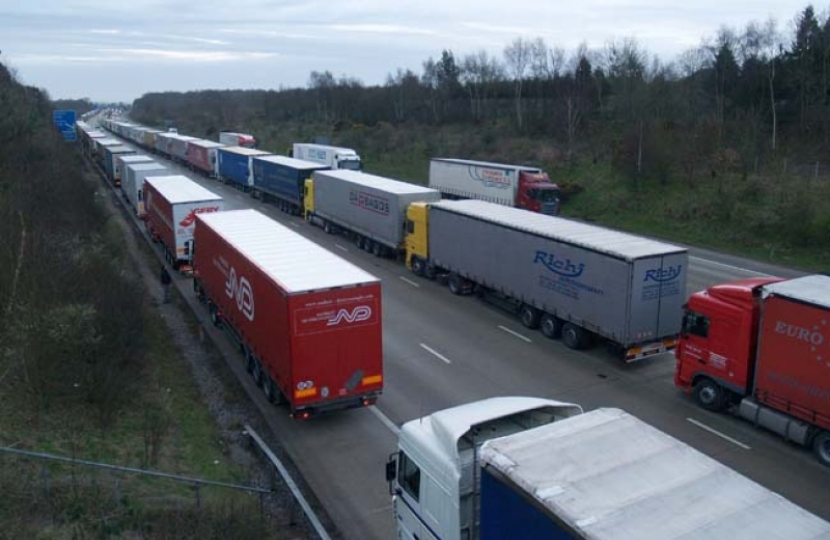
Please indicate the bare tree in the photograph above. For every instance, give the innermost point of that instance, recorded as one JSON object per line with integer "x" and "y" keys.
{"x": 517, "y": 57}
{"x": 770, "y": 48}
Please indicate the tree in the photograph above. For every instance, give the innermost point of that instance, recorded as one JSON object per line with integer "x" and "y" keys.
{"x": 479, "y": 72}
{"x": 517, "y": 57}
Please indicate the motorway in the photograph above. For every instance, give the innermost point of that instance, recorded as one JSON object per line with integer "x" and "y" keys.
{"x": 442, "y": 350}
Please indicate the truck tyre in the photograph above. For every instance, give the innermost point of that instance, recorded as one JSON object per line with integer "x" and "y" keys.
{"x": 327, "y": 227}
{"x": 455, "y": 283}
{"x": 268, "y": 389}
{"x": 550, "y": 326}
{"x": 417, "y": 266}
{"x": 529, "y": 316}
{"x": 821, "y": 446}
{"x": 368, "y": 245}
{"x": 573, "y": 336}
{"x": 709, "y": 395}
{"x": 250, "y": 362}
{"x": 377, "y": 249}
{"x": 215, "y": 318}
{"x": 257, "y": 374}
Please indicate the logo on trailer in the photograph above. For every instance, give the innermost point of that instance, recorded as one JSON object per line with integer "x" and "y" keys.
{"x": 661, "y": 275}
{"x": 557, "y": 265}
{"x": 191, "y": 216}
{"x": 370, "y": 202}
{"x": 358, "y": 314}
{"x": 240, "y": 290}
{"x": 807, "y": 335}
{"x": 491, "y": 177}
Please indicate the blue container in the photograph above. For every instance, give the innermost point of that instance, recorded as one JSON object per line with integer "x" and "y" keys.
{"x": 233, "y": 166}
{"x": 283, "y": 177}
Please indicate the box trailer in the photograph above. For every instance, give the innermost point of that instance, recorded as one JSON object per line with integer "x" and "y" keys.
{"x": 172, "y": 203}
{"x": 283, "y": 179}
{"x": 111, "y": 154}
{"x": 575, "y": 281}
{"x": 370, "y": 208}
{"x": 163, "y": 142}
{"x": 178, "y": 148}
{"x": 201, "y": 156}
{"x": 148, "y": 138}
{"x": 334, "y": 157}
{"x": 760, "y": 344}
{"x": 235, "y": 165}
{"x": 129, "y": 159}
{"x": 133, "y": 182}
{"x": 308, "y": 322}
{"x": 510, "y": 185}
{"x": 230, "y": 138}
{"x": 514, "y": 468}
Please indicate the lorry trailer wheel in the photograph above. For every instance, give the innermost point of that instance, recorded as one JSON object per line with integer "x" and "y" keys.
{"x": 417, "y": 266}
{"x": 377, "y": 250}
{"x": 550, "y": 326}
{"x": 529, "y": 316}
{"x": 268, "y": 389}
{"x": 327, "y": 227}
{"x": 573, "y": 336}
{"x": 821, "y": 446}
{"x": 257, "y": 374}
{"x": 214, "y": 315}
{"x": 368, "y": 245}
{"x": 455, "y": 284}
{"x": 709, "y": 395}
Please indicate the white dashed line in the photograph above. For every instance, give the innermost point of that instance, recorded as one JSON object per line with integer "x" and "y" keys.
{"x": 518, "y": 335}
{"x": 295, "y": 225}
{"x": 436, "y": 353}
{"x": 713, "y": 431}
{"x": 390, "y": 425}
{"x": 341, "y": 248}
{"x": 406, "y": 279}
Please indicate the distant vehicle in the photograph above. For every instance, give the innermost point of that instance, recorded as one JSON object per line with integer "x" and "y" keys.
{"x": 230, "y": 138}
{"x": 111, "y": 154}
{"x": 509, "y": 185}
{"x": 762, "y": 344}
{"x": 282, "y": 179}
{"x": 235, "y": 165}
{"x": 569, "y": 279}
{"x": 371, "y": 209}
{"x": 333, "y": 157}
{"x": 202, "y": 156}
{"x": 307, "y": 321}
{"x": 171, "y": 204}
{"x": 515, "y": 468}
{"x": 134, "y": 174}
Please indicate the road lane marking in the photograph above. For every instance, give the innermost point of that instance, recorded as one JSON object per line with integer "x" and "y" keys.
{"x": 730, "y": 266}
{"x": 713, "y": 431}
{"x": 518, "y": 335}
{"x": 295, "y": 225}
{"x": 406, "y": 279}
{"x": 436, "y": 353}
{"x": 390, "y": 425}
{"x": 341, "y": 248}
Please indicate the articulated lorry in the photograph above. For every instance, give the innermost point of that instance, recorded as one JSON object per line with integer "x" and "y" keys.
{"x": 235, "y": 167}
{"x": 572, "y": 280}
{"x": 171, "y": 204}
{"x": 282, "y": 179}
{"x": 333, "y": 157}
{"x": 230, "y": 138}
{"x": 201, "y": 156}
{"x": 510, "y": 185}
{"x": 111, "y": 154}
{"x": 307, "y": 321}
{"x": 763, "y": 346}
{"x": 371, "y": 209}
{"x": 133, "y": 185}
{"x": 177, "y": 148}
{"x": 532, "y": 469}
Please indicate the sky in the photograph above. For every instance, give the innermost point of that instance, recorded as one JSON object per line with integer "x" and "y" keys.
{"x": 117, "y": 50}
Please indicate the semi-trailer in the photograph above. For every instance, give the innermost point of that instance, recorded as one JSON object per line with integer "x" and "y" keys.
{"x": 201, "y": 156}
{"x": 178, "y": 147}
{"x": 570, "y": 279}
{"x": 334, "y": 157}
{"x": 163, "y": 141}
{"x": 515, "y": 468}
{"x": 235, "y": 167}
{"x": 111, "y": 154}
{"x": 283, "y": 179}
{"x": 230, "y": 138}
{"x": 307, "y": 321}
{"x": 510, "y": 185}
{"x": 133, "y": 184}
{"x": 371, "y": 209}
{"x": 762, "y": 346}
{"x": 172, "y": 203}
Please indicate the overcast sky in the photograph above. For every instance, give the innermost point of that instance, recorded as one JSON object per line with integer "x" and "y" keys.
{"x": 120, "y": 49}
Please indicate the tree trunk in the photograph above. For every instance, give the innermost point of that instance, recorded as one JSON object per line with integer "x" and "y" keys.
{"x": 519, "y": 103}
{"x": 772, "y": 102}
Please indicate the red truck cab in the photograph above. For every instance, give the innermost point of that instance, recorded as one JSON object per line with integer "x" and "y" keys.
{"x": 537, "y": 193}
{"x": 718, "y": 341}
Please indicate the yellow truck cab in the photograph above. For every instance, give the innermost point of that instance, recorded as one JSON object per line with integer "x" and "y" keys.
{"x": 417, "y": 249}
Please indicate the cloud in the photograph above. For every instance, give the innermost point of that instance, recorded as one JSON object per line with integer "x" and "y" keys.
{"x": 380, "y": 29}
{"x": 191, "y": 56}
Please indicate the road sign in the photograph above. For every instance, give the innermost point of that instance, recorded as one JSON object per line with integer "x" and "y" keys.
{"x": 65, "y": 122}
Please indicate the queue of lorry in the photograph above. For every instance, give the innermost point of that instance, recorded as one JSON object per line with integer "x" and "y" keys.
{"x": 573, "y": 281}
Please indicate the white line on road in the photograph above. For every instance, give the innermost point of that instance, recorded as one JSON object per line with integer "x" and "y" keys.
{"x": 436, "y": 353}
{"x": 713, "y": 431}
{"x": 518, "y": 335}
{"x": 385, "y": 421}
{"x": 404, "y": 278}
{"x": 724, "y": 265}
{"x": 341, "y": 248}
{"x": 295, "y": 225}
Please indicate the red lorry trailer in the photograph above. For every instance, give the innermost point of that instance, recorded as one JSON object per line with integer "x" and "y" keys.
{"x": 762, "y": 344}
{"x": 171, "y": 204}
{"x": 307, "y": 321}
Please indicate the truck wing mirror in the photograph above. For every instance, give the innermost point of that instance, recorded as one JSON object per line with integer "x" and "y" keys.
{"x": 391, "y": 468}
